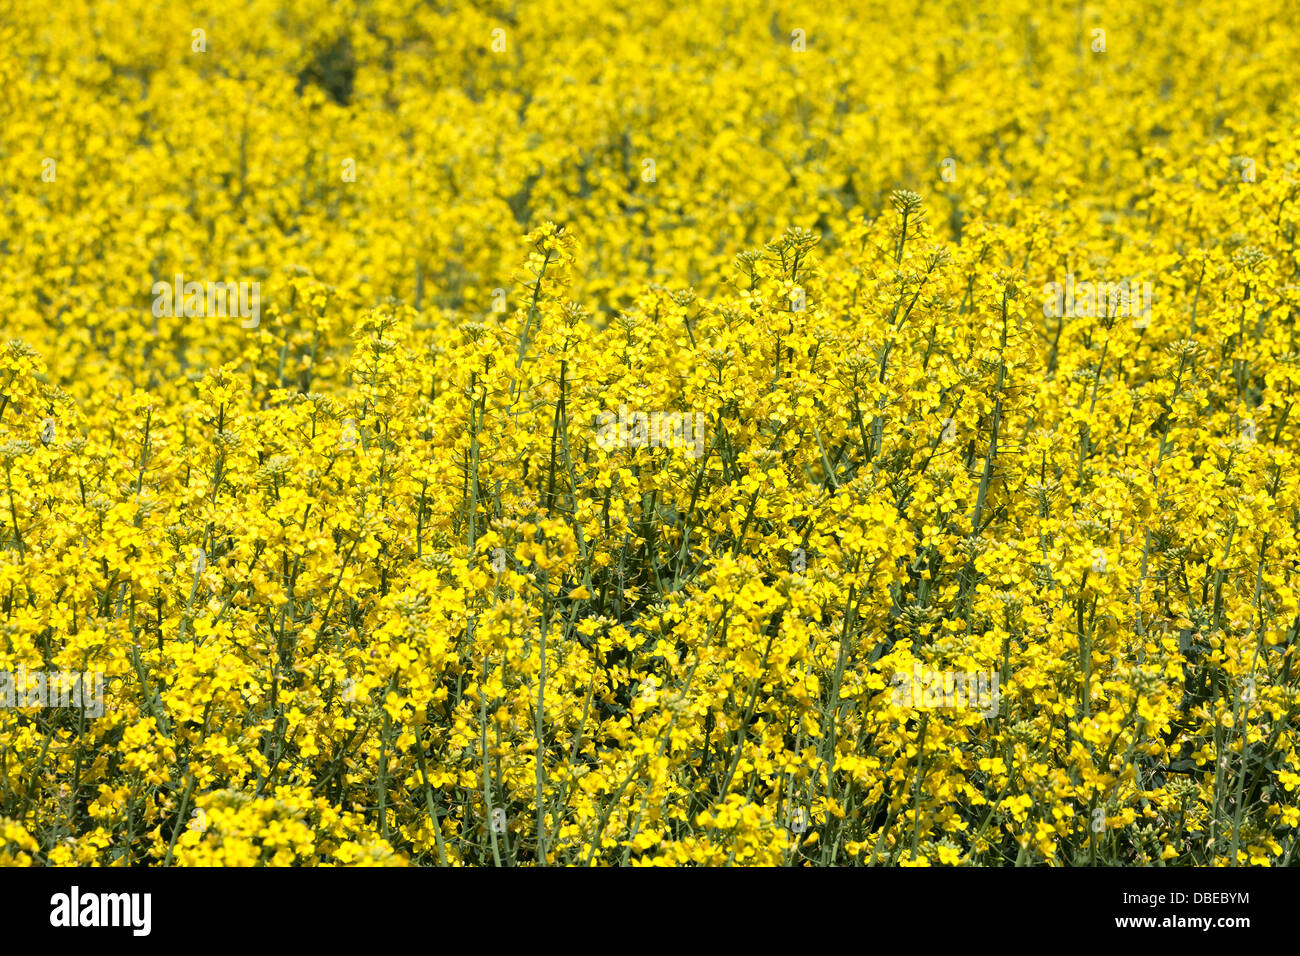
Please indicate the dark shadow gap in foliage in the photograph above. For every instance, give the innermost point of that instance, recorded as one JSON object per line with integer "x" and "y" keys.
{"x": 333, "y": 69}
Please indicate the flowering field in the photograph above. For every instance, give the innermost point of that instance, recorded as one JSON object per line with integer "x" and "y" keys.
{"x": 521, "y": 434}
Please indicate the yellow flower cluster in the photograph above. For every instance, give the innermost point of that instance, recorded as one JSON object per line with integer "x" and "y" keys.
{"x": 879, "y": 449}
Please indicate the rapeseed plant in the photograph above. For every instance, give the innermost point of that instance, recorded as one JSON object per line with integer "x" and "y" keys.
{"x": 636, "y": 400}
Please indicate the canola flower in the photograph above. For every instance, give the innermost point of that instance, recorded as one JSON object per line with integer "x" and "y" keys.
{"x": 367, "y": 581}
